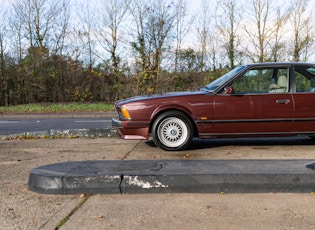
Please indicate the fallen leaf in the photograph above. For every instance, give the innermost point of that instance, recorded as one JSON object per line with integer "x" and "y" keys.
{"x": 187, "y": 155}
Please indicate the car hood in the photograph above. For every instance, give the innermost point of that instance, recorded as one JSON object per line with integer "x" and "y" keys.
{"x": 164, "y": 95}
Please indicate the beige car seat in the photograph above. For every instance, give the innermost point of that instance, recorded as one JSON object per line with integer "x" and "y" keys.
{"x": 281, "y": 86}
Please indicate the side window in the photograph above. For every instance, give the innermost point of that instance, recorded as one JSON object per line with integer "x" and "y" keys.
{"x": 303, "y": 84}
{"x": 280, "y": 82}
{"x": 262, "y": 80}
{"x": 305, "y": 80}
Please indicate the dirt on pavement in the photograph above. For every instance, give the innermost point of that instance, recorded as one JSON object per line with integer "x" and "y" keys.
{"x": 23, "y": 209}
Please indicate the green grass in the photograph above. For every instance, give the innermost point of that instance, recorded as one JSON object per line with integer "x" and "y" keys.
{"x": 64, "y": 220}
{"x": 57, "y": 108}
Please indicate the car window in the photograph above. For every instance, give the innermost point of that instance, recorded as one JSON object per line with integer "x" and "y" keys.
{"x": 218, "y": 82}
{"x": 262, "y": 80}
{"x": 305, "y": 81}
{"x": 311, "y": 70}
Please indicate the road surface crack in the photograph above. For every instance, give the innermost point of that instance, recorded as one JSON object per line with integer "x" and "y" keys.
{"x": 128, "y": 153}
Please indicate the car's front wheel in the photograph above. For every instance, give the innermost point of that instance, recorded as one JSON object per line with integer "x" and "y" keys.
{"x": 172, "y": 131}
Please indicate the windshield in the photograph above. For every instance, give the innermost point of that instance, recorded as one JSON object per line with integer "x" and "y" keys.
{"x": 218, "y": 82}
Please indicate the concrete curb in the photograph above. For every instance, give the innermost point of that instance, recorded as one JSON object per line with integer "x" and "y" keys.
{"x": 200, "y": 176}
{"x": 89, "y": 133}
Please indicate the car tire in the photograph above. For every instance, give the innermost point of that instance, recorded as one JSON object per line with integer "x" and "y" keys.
{"x": 172, "y": 131}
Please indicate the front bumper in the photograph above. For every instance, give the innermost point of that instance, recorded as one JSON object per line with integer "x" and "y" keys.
{"x": 131, "y": 130}
{"x": 116, "y": 123}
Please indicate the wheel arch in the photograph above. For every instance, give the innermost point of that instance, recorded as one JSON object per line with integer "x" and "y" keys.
{"x": 184, "y": 111}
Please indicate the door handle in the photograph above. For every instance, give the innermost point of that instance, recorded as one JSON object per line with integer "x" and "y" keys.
{"x": 283, "y": 101}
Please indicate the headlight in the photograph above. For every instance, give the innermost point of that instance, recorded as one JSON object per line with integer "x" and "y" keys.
{"x": 125, "y": 113}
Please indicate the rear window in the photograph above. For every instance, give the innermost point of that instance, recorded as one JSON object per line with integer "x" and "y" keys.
{"x": 305, "y": 79}
{"x": 311, "y": 70}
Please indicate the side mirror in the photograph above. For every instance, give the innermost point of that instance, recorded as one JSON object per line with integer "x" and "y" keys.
{"x": 228, "y": 90}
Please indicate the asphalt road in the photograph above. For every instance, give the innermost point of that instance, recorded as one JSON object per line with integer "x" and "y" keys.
{"x": 15, "y": 125}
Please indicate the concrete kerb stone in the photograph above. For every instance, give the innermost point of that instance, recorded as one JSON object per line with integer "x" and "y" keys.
{"x": 109, "y": 132}
{"x": 89, "y": 133}
{"x": 192, "y": 176}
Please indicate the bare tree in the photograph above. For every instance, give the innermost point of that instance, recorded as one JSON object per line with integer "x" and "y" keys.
{"x": 60, "y": 30}
{"x": 37, "y": 25}
{"x": 259, "y": 14}
{"x": 16, "y": 36}
{"x": 301, "y": 21}
{"x": 277, "y": 44}
{"x": 229, "y": 19}
{"x": 183, "y": 23}
{"x": 85, "y": 32}
{"x": 3, "y": 76}
{"x": 203, "y": 28}
{"x": 160, "y": 22}
{"x": 113, "y": 13}
{"x": 140, "y": 44}
{"x": 154, "y": 22}
{"x": 109, "y": 36}
{"x": 38, "y": 18}
{"x": 59, "y": 34}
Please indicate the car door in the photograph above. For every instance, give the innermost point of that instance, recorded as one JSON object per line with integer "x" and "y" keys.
{"x": 304, "y": 100}
{"x": 259, "y": 104}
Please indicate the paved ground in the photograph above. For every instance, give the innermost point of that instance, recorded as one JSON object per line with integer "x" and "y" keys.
{"x": 23, "y": 209}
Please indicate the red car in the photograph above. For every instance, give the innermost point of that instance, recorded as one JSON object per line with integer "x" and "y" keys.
{"x": 264, "y": 99}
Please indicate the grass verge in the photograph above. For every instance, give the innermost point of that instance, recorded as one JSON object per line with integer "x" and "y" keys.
{"x": 57, "y": 108}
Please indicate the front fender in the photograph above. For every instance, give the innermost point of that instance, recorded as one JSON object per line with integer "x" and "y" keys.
{"x": 169, "y": 107}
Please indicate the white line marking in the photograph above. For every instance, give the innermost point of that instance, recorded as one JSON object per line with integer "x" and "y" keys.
{"x": 8, "y": 122}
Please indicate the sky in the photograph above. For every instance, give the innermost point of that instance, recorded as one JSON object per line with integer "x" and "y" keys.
{"x": 194, "y": 6}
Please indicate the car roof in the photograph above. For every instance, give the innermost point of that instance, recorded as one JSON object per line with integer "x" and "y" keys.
{"x": 279, "y": 64}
